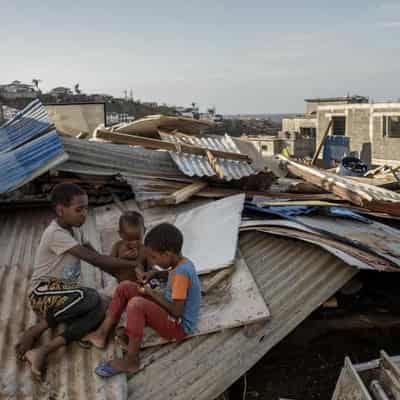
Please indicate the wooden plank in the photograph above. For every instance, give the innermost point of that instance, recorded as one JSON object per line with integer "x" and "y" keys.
{"x": 363, "y": 195}
{"x": 318, "y": 150}
{"x": 214, "y": 165}
{"x": 187, "y": 192}
{"x": 236, "y": 302}
{"x": 156, "y": 144}
{"x": 177, "y": 197}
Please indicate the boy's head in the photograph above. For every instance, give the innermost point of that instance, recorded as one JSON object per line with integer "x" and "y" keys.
{"x": 70, "y": 203}
{"x": 131, "y": 226}
{"x": 164, "y": 245}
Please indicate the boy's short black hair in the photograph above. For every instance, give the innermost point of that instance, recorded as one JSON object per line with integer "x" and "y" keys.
{"x": 63, "y": 193}
{"x": 131, "y": 218}
{"x": 165, "y": 237}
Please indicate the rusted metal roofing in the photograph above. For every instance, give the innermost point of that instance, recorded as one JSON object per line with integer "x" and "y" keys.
{"x": 70, "y": 372}
{"x": 89, "y": 157}
{"x": 294, "y": 277}
{"x": 194, "y": 165}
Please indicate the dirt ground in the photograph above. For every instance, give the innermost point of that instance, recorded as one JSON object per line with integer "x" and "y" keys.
{"x": 310, "y": 371}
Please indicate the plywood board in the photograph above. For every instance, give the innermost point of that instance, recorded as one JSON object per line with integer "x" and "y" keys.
{"x": 211, "y": 232}
{"x": 233, "y": 303}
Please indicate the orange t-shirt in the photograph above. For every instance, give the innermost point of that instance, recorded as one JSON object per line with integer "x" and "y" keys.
{"x": 179, "y": 286}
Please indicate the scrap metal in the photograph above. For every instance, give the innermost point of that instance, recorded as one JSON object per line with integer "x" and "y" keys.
{"x": 361, "y": 194}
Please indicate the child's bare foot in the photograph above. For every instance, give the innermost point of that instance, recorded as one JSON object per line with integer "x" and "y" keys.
{"x": 129, "y": 364}
{"x": 36, "y": 359}
{"x": 121, "y": 338}
{"x": 97, "y": 338}
{"x": 26, "y": 342}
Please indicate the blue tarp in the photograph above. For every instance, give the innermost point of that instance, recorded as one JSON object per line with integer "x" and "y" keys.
{"x": 293, "y": 211}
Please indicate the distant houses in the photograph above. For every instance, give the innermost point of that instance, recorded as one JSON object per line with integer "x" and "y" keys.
{"x": 18, "y": 90}
{"x": 61, "y": 91}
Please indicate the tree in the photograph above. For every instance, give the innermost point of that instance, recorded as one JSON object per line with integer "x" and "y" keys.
{"x": 35, "y": 82}
{"x": 77, "y": 89}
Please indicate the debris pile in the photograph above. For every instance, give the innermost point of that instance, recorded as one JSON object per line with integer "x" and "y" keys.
{"x": 273, "y": 240}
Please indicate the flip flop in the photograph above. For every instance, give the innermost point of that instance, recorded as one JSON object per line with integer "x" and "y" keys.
{"x": 106, "y": 370}
{"x": 85, "y": 344}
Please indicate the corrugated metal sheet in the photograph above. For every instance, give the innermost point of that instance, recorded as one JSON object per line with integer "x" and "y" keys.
{"x": 294, "y": 277}
{"x": 193, "y": 165}
{"x": 70, "y": 373}
{"x": 28, "y": 124}
{"x": 89, "y": 156}
{"x": 30, "y": 161}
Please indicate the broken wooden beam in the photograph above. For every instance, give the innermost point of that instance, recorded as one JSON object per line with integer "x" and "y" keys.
{"x": 187, "y": 192}
{"x": 316, "y": 154}
{"x": 215, "y": 165}
{"x": 361, "y": 194}
{"x": 156, "y": 144}
{"x": 177, "y": 197}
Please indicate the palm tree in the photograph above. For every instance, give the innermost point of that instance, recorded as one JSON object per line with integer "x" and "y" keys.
{"x": 77, "y": 89}
{"x": 35, "y": 82}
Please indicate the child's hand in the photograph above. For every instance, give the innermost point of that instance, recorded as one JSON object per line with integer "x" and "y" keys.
{"x": 145, "y": 290}
{"x": 128, "y": 252}
{"x": 144, "y": 277}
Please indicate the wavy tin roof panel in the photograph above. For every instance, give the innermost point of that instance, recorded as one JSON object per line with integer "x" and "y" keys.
{"x": 193, "y": 165}
{"x": 30, "y": 161}
{"x": 28, "y": 124}
{"x": 70, "y": 372}
{"x": 88, "y": 156}
{"x": 294, "y": 277}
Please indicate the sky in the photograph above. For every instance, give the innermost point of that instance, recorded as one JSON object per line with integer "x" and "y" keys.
{"x": 257, "y": 56}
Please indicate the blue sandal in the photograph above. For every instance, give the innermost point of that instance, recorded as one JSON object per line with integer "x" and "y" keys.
{"x": 85, "y": 344}
{"x": 106, "y": 370}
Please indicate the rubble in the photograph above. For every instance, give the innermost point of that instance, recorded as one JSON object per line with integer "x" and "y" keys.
{"x": 272, "y": 240}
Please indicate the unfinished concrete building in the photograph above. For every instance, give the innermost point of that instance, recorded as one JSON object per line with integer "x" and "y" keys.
{"x": 313, "y": 104}
{"x": 373, "y": 129}
{"x": 304, "y": 125}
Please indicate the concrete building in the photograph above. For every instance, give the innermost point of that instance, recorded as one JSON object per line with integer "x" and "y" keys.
{"x": 373, "y": 129}
{"x": 18, "y": 90}
{"x": 312, "y": 104}
{"x": 304, "y": 125}
{"x": 267, "y": 145}
{"x": 297, "y": 145}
